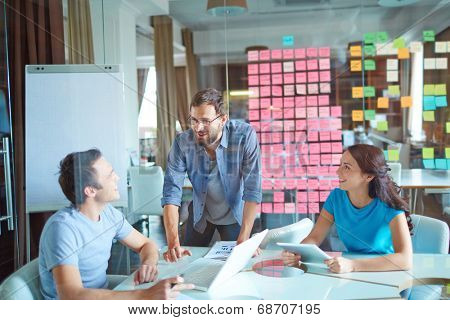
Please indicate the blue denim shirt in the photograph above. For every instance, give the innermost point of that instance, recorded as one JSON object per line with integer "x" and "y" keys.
{"x": 238, "y": 161}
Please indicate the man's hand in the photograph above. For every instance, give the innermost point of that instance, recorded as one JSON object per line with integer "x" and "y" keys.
{"x": 175, "y": 252}
{"x": 340, "y": 265}
{"x": 167, "y": 289}
{"x": 146, "y": 273}
{"x": 290, "y": 259}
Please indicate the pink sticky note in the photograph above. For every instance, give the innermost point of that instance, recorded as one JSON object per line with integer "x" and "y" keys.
{"x": 324, "y": 52}
{"x": 300, "y": 77}
{"x": 302, "y": 196}
{"x": 277, "y": 103}
{"x": 323, "y": 170}
{"x": 289, "y": 208}
{"x": 312, "y": 171}
{"x": 288, "y": 78}
{"x": 302, "y": 208}
{"x": 253, "y": 103}
{"x": 312, "y": 64}
{"x": 300, "y": 101}
{"x": 264, "y": 68}
{"x": 265, "y": 126}
{"x": 325, "y": 159}
{"x": 289, "y": 113}
{"x": 264, "y": 91}
{"x": 288, "y": 66}
{"x": 336, "y": 147}
{"x": 266, "y": 114}
{"x": 336, "y": 111}
{"x": 302, "y": 184}
{"x": 333, "y": 171}
{"x": 253, "y": 92}
{"x": 336, "y": 135}
{"x": 313, "y": 207}
{"x": 300, "y": 89}
{"x": 279, "y": 185}
{"x": 324, "y": 100}
{"x": 291, "y": 184}
{"x": 276, "y": 54}
{"x": 300, "y": 53}
{"x": 289, "y": 102}
{"x": 313, "y": 76}
{"x": 313, "y": 184}
{"x": 300, "y": 113}
{"x": 311, "y": 52}
{"x": 264, "y": 79}
{"x": 289, "y": 90}
{"x": 324, "y": 184}
{"x": 324, "y": 64}
{"x": 325, "y": 87}
{"x": 265, "y": 102}
{"x": 276, "y": 67}
{"x": 336, "y": 124}
{"x": 290, "y": 149}
{"x": 278, "y": 196}
{"x": 253, "y": 115}
{"x": 264, "y": 55}
{"x": 266, "y": 137}
{"x": 256, "y": 125}
{"x": 314, "y": 148}
{"x": 324, "y": 123}
{"x": 300, "y": 65}
{"x": 277, "y": 126}
{"x": 313, "y": 88}
{"x": 252, "y": 68}
{"x": 288, "y": 54}
{"x": 289, "y": 125}
{"x": 300, "y": 124}
{"x": 266, "y": 150}
{"x": 300, "y": 170}
{"x": 324, "y": 136}
{"x": 313, "y": 136}
{"x": 267, "y": 184}
{"x": 324, "y": 76}
{"x": 313, "y": 196}
{"x": 300, "y": 136}
{"x": 277, "y": 137}
{"x": 311, "y": 112}
{"x": 277, "y": 91}
{"x": 277, "y": 78}
{"x": 253, "y": 80}
{"x": 290, "y": 173}
{"x": 253, "y": 55}
{"x": 334, "y": 183}
{"x": 303, "y": 159}
{"x": 277, "y": 149}
{"x": 267, "y": 208}
{"x": 311, "y": 101}
{"x": 324, "y": 112}
{"x": 289, "y": 137}
{"x": 325, "y": 147}
{"x": 277, "y": 113}
{"x": 336, "y": 158}
{"x": 323, "y": 195}
{"x": 314, "y": 159}
{"x": 278, "y": 208}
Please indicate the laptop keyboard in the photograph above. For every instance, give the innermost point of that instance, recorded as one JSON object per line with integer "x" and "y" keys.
{"x": 202, "y": 272}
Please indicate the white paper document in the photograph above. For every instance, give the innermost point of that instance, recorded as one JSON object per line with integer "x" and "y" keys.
{"x": 221, "y": 250}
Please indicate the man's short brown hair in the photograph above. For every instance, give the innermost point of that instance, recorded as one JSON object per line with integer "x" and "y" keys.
{"x": 209, "y": 96}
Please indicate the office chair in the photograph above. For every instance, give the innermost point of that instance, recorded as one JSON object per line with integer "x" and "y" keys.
{"x": 429, "y": 235}
{"x": 24, "y": 284}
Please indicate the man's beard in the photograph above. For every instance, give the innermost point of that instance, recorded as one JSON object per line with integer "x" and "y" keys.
{"x": 211, "y": 138}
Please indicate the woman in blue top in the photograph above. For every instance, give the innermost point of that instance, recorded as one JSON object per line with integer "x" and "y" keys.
{"x": 369, "y": 214}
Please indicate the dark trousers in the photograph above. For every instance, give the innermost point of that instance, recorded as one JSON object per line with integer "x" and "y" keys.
{"x": 196, "y": 239}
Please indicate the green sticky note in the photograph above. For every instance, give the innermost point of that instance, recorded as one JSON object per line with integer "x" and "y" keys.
{"x": 447, "y": 127}
{"x": 369, "y": 114}
{"x": 440, "y": 89}
{"x": 441, "y": 164}
{"x": 428, "y": 35}
{"x": 428, "y": 116}
{"x": 399, "y": 43}
{"x": 428, "y": 90}
{"x": 369, "y": 50}
{"x": 428, "y": 163}
{"x": 369, "y": 65}
{"x": 447, "y": 152}
{"x": 382, "y": 126}
{"x": 393, "y": 155}
{"x": 369, "y": 37}
{"x": 428, "y": 153}
{"x": 394, "y": 90}
{"x": 382, "y": 37}
{"x": 441, "y": 101}
{"x": 369, "y": 91}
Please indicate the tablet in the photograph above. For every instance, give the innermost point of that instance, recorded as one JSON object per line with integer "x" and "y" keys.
{"x": 308, "y": 252}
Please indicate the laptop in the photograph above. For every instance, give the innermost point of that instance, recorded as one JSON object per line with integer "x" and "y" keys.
{"x": 208, "y": 273}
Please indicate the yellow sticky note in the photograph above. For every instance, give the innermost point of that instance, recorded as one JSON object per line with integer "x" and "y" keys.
{"x": 394, "y": 90}
{"x": 403, "y": 53}
{"x": 429, "y": 89}
{"x": 393, "y": 155}
{"x": 428, "y": 153}
{"x": 382, "y": 126}
{"x": 440, "y": 89}
{"x": 357, "y": 115}
{"x": 355, "y": 65}
{"x": 447, "y": 127}
{"x": 383, "y": 103}
{"x": 428, "y": 116}
{"x": 406, "y": 102}
{"x": 355, "y": 51}
{"x": 357, "y": 92}
{"x": 447, "y": 153}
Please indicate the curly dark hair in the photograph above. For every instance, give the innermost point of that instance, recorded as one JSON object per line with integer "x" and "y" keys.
{"x": 209, "y": 96}
{"x": 76, "y": 173}
{"x": 371, "y": 161}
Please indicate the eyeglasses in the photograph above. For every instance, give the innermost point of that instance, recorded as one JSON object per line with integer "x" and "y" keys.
{"x": 206, "y": 123}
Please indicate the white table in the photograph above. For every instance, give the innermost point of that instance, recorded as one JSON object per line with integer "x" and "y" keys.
{"x": 315, "y": 283}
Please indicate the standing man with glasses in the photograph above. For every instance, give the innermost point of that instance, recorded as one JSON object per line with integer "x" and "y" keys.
{"x": 222, "y": 160}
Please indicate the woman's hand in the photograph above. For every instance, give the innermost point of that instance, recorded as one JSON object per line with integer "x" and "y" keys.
{"x": 290, "y": 259}
{"x": 340, "y": 265}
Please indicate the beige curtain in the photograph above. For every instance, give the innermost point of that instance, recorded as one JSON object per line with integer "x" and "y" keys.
{"x": 182, "y": 97}
{"x": 191, "y": 63}
{"x": 81, "y": 48}
{"x": 166, "y": 87}
{"x": 141, "y": 82}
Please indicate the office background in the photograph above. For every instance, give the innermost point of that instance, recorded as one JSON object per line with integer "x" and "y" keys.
{"x": 379, "y": 70}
